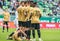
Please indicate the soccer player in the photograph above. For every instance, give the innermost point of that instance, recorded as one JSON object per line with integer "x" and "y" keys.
{"x": 22, "y": 16}
{"x": 35, "y": 22}
{"x": 28, "y": 22}
{"x": 6, "y": 19}
{"x": 16, "y": 35}
{"x": 19, "y": 14}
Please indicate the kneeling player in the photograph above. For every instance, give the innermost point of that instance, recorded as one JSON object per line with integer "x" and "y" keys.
{"x": 17, "y": 34}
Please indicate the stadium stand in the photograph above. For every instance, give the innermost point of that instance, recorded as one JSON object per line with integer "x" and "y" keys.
{"x": 49, "y": 8}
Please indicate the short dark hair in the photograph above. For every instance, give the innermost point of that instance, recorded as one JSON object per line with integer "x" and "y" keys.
{"x": 35, "y": 3}
{"x": 27, "y": 2}
{"x": 22, "y": 2}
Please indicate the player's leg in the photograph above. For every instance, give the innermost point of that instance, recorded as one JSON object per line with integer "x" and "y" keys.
{"x": 38, "y": 31}
{"x": 3, "y": 26}
{"x": 10, "y": 36}
{"x": 16, "y": 24}
{"x": 33, "y": 31}
{"x": 7, "y": 25}
{"x": 3, "y": 29}
{"x": 28, "y": 32}
{"x": 19, "y": 24}
{"x": 39, "y": 34}
{"x": 22, "y": 26}
{"x": 37, "y": 27}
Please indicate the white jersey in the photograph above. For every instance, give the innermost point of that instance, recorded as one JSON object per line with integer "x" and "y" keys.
{"x": 16, "y": 20}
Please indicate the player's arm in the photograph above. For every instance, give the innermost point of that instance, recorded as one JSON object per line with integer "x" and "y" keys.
{"x": 18, "y": 9}
{"x": 9, "y": 16}
{"x": 16, "y": 13}
{"x": 39, "y": 13}
{"x": 28, "y": 16}
{"x": 23, "y": 33}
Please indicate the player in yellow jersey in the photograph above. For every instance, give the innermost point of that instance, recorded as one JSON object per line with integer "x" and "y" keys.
{"x": 20, "y": 14}
{"x": 6, "y": 19}
{"x": 16, "y": 35}
{"x": 35, "y": 22}
{"x": 21, "y": 18}
{"x": 27, "y": 18}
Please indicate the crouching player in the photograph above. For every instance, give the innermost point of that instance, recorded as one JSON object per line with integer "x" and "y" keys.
{"x": 17, "y": 34}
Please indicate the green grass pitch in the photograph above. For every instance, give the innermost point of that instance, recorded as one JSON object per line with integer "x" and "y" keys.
{"x": 46, "y": 34}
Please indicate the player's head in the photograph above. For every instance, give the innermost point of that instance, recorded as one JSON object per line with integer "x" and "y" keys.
{"x": 22, "y": 3}
{"x": 34, "y": 4}
{"x": 31, "y": 3}
{"x": 27, "y": 3}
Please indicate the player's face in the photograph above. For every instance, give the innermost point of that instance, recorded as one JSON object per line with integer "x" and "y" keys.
{"x": 22, "y": 4}
{"x": 27, "y": 4}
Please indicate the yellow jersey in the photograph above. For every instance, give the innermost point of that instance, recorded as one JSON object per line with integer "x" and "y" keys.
{"x": 6, "y": 16}
{"x": 20, "y": 11}
{"x": 35, "y": 15}
{"x": 15, "y": 36}
{"x": 28, "y": 12}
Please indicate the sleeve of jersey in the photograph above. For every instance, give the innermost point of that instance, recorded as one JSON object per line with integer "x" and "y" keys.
{"x": 40, "y": 13}
{"x": 9, "y": 16}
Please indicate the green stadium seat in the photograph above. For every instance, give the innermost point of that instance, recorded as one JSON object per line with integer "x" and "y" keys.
{"x": 1, "y": 16}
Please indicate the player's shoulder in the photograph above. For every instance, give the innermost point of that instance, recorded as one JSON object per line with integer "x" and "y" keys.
{"x": 38, "y": 9}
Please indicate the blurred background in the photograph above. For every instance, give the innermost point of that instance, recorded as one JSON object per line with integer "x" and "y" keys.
{"x": 50, "y": 9}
